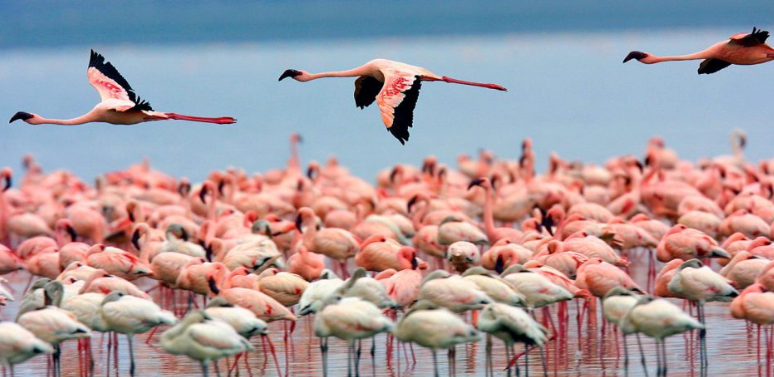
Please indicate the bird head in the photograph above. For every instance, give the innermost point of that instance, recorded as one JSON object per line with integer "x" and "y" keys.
{"x": 25, "y": 116}
{"x": 295, "y": 75}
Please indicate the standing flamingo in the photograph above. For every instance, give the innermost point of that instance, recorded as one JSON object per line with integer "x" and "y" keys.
{"x": 120, "y": 104}
{"x": 393, "y": 85}
{"x": 740, "y": 49}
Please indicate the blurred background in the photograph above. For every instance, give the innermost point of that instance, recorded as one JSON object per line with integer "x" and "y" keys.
{"x": 560, "y": 59}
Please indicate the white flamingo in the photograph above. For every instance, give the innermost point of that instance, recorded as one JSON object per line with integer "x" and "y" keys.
{"x": 130, "y": 315}
{"x": 204, "y": 339}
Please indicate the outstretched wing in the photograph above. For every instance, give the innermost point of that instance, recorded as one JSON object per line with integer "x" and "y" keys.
{"x": 397, "y": 101}
{"x": 712, "y": 65}
{"x": 111, "y": 85}
{"x": 757, "y": 37}
{"x": 366, "y": 90}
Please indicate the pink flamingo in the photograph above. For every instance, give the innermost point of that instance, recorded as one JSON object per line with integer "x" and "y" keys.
{"x": 337, "y": 244}
{"x": 120, "y": 104}
{"x": 393, "y": 85}
{"x": 494, "y": 234}
{"x": 740, "y": 49}
{"x": 377, "y": 253}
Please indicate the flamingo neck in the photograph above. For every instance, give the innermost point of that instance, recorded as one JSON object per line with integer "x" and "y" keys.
{"x": 86, "y": 118}
{"x": 658, "y": 59}
{"x": 359, "y": 71}
{"x": 488, "y": 215}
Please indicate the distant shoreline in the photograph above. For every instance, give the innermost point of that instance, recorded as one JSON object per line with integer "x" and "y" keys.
{"x": 32, "y": 24}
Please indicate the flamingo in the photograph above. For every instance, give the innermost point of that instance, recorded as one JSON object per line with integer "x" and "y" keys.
{"x": 316, "y": 293}
{"x": 511, "y": 325}
{"x": 350, "y": 319}
{"x": 740, "y": 49}
{"x": 434, "y": 327}
{"x": 452, "y": 292}
{"x": 203, "y": 338}
{"x": 393, "y": 85}
{"x": 658, "y": 319}
{"x": 130, "y": 315}
{"x": 119, "y": 105}
{"x": 18, "y": 345}
{"x": 699, "y": 283}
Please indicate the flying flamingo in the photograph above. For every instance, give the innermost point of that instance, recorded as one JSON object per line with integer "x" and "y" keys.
{"x": 120, "y": 104}
{"x": 393, "y": 85}
{"x": 740, "y": 49}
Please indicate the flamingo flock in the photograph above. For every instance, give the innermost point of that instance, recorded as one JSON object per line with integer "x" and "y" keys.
{"x": 432, "y": 255}
{"x": 441, "y": 257}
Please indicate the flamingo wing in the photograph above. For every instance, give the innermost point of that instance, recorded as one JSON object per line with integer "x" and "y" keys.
{"x": 757, "y": 37}
{"x": 397, "y": 101}
{"x": 366, "y": 90}
{"x": 709, "y": 66}
{"x": 104, "y": 77}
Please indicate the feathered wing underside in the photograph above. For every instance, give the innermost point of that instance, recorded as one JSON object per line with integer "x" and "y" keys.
{"x": 709, "y": 66}
{"x": 104, "y": 77}
{"x": 757, "y": 37}
{"x": 366, "y": 90}
{"x": 397, "y": 101}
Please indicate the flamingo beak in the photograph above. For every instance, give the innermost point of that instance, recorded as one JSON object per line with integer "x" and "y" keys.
{"x": 500, "y": 265}
{"x": 8, "y": 183}
{"x": 414, "y": 263}
{"x": 20, "y": 115}
{"x": 135, "y": 240}
{"x": 72, "y": 233}
{"x": 292, "y": 73}
{"x": 635, "y": 55}
{"x": 298, "y": 222}
{"x": 475, "y": 182}
{"x": 203, "y": 193}
{"x": 411, "y": 203}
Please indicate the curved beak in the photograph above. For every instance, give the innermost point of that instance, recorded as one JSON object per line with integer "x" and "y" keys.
{"x": 135, "y": 240}
{"x": 499, "y": 265}
{"x": 203, "y": 193}
{"x": 8, "y": 183}
{"x": 299, "y": 220}
{"x": 635, "y": 55}
{"x": 20, "y": 115}
{"x": 414, "y": 263}
{"x": 475, "y": 182}
{"x": 289, "y": 73}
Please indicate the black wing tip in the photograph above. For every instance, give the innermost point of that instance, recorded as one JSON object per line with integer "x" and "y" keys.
{"x": 404, "y": 113}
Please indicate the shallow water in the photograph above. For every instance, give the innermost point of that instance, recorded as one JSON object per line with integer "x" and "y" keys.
{"x": 731, "y": 346}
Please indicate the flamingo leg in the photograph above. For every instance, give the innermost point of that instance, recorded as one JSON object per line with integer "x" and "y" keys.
{"x": 642, "y": 355}
{"x": 373, "y": 355}
{"x": 435, "y": 363}
{"x": 131, "y": 354}
{"x": 205, "y": 369}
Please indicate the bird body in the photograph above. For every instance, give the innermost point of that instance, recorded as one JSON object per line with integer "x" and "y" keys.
{"x": 119, "y": 103}
{"x": 740, "y": 49}
{"x": 393, "y": 85}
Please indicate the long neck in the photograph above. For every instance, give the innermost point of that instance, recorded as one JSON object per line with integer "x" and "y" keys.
{"x": 359, "y": 71}
{"x": 86, "y": 118}
{"x": 695, "y": 56}
{"x": 488, "y": 216}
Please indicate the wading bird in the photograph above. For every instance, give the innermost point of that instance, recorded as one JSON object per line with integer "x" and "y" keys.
{"x": 120, "y": 104}
{"x": 740, "y": 49}
{"x": 393, "y": 85}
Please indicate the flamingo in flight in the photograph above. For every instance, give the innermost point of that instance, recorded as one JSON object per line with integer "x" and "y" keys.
{"x": 740, "y": 49}
{"x": 119, "y": 105}
{"x": 393, "y": 85}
